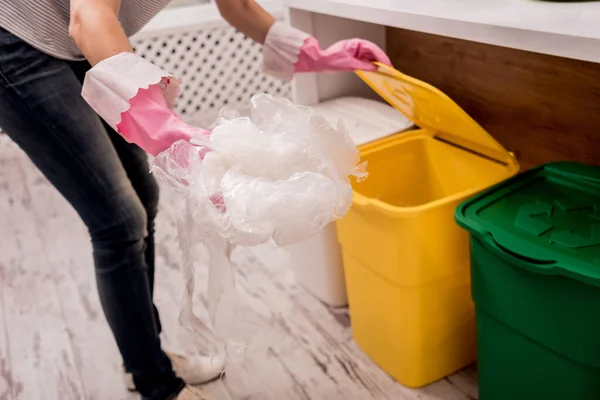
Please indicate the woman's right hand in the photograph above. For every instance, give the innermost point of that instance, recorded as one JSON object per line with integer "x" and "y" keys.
{"x": 152, "y": 125}
{"x": 95, "y": 28}
{"x": 136, "y": 99}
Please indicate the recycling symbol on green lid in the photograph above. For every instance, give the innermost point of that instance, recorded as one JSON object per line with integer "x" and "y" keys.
{"x": 528, "y": 219}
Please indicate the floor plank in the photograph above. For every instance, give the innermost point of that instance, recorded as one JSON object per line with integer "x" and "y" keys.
{"x": 6, "y": 386}
{"x": 42, "y": 361}
{"x": 6, "y": 375}
{"x": 69, "y": 260}
{"x": 300, "y": 349}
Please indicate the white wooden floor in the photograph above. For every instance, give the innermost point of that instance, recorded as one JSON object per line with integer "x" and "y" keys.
{"x": 55, "y": 344}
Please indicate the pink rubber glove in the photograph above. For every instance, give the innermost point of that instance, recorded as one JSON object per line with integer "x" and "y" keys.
{"x": 347, "y": 55}
{"x": 136, "y": 99}
{"x": 152, "y": 125}
{"x": 288, "y": 50}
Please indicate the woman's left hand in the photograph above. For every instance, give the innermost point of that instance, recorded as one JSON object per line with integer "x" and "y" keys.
{"x": 346, "y": 55}
{"x": 288, "y": 50}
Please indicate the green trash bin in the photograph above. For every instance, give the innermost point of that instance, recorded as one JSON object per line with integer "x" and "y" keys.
{"x": 535, "y": 276}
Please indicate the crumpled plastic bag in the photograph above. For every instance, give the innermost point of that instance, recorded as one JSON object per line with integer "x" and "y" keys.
{"x": 281, "y": 174}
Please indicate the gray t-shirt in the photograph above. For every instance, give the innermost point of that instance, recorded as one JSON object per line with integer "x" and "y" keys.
{"x": 44, "y": 24}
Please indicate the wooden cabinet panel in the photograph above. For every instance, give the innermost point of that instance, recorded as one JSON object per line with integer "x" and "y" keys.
{"x": 543, "y": 108}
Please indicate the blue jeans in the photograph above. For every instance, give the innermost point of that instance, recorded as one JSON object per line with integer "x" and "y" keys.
{"x": 107, "y": 181}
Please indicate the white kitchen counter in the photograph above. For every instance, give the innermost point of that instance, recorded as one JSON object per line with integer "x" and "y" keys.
{"x": 562, "y": 29}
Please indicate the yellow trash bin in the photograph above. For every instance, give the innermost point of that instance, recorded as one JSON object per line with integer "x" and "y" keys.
{"x": 406, "y": 261}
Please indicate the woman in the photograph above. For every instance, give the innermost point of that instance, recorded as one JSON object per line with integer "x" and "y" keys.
{"x": 46, "y": 48}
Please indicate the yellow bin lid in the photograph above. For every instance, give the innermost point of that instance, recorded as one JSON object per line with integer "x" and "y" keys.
{"x": 433, "y": 111}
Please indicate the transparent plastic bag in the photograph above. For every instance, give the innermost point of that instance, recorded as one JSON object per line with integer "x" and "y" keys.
{"x": 280, "y": 174}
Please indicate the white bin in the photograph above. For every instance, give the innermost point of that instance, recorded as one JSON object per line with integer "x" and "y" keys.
{"x": 317, "y": 263}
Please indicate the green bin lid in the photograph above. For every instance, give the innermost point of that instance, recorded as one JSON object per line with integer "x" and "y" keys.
{"x": 547, "y": 220}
